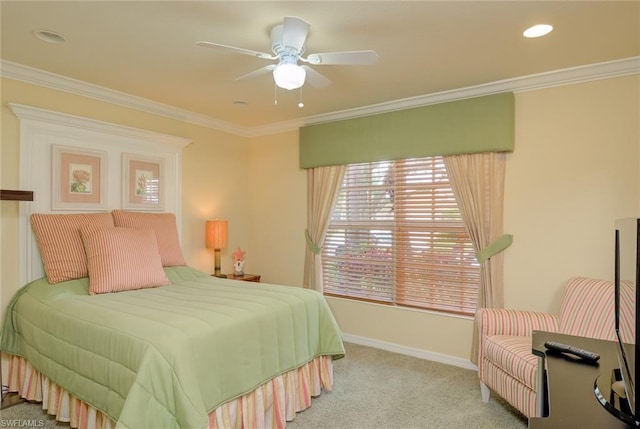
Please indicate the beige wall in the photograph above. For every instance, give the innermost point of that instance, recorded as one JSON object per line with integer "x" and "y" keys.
{"x": 574, "y": 171}
{"x": 214, "y": 185}
{"x": 277, "y": 194}
{"x": 576, "y": 168}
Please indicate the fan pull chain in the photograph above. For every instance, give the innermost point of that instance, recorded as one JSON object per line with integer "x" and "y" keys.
{"x": 275, "y": 96}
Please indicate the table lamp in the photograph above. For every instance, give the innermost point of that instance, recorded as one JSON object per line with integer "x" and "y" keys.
{"x": 216, "y": 239}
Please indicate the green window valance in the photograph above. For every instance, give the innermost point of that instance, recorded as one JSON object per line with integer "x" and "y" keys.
{"x": 473, "y": 125}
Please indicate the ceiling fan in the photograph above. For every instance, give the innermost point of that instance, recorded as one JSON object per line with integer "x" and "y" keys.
{"x": 288, "y": 45}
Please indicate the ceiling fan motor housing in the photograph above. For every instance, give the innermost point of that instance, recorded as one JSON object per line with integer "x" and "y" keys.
{"x": 279, "y": 49}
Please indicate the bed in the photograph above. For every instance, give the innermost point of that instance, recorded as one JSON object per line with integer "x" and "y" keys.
{"x": 185, "y": 350}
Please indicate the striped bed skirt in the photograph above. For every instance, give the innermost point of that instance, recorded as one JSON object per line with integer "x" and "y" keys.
{"x": 270, "y": 405}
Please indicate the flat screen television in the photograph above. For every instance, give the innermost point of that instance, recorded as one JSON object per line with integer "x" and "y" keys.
{"x": 626, "y": 279}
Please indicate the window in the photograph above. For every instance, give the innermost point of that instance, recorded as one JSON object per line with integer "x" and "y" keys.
{"x": 396, "y": 236}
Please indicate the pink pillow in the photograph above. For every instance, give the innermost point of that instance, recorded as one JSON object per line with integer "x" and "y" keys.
{"x": 122, "y": 259}
{"x": 60, "y": 244}
{"x": 164, "y": 225}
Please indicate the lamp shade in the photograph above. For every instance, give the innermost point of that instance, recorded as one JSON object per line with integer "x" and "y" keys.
{"x": 216, "y": 234}
{"x": 289, "y": 76}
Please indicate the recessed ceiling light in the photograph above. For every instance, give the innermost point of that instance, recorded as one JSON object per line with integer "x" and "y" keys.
{"x": 538, "y": 30}
{"x": 49, "y": 36}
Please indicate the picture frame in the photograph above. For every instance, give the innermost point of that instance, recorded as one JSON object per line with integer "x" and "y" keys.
{"x": 78, "y": 178}
{"x": 142, "y": 182}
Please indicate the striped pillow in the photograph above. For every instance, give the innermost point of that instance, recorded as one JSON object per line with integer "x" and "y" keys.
{"x": 60, "y": 244}
{"x": 122, "y": 259}
{"x": 164, "y": 225}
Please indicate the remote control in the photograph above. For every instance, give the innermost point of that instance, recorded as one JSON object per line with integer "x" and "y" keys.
{"x": 564, "y": 348}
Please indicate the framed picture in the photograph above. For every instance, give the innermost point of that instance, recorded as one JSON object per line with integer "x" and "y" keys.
{"x": 142, "y": 182}
{"x": 78, "y": 179}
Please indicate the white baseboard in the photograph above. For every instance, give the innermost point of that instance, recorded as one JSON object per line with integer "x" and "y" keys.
{"x": 410, "y": 351}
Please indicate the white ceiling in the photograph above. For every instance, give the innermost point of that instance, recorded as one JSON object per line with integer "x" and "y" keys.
{"x": 147, "y": 48}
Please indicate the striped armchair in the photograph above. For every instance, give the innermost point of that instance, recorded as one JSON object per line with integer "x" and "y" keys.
{"x": 506, "y": 365}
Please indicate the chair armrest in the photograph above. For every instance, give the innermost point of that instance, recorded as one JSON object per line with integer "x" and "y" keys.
{"x": 500, "y": 321}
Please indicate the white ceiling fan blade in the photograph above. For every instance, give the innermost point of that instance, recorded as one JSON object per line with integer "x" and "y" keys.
{"x": 243, "y": 51}
{"x": 344, "y": 58}
{"x": 294, "y": 32}
{"x": 316, "y": 79}
{"x": 259, "y": 72}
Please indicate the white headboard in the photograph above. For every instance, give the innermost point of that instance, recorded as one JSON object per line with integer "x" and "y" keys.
{"x": 42, "y": 130}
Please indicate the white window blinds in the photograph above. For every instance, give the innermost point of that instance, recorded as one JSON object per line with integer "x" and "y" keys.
{"x": 396, "y": 236}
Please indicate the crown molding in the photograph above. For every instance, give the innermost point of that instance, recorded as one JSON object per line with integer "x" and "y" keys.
{"x": 568, "y": 76}
{"x": 57, "y": 82}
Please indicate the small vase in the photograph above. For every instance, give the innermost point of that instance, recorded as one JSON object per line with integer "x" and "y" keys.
{"x": 238, "y": 267}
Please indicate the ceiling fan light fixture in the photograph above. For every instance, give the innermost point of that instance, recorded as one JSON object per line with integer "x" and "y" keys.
{"x": 289, "y": 76}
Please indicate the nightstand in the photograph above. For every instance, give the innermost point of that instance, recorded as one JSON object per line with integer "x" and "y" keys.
{"x": 243, "y": 277}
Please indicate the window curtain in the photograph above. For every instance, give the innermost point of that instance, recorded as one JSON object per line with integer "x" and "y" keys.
{"x": 477, "y": 181}
{"x": 323, "y": 186}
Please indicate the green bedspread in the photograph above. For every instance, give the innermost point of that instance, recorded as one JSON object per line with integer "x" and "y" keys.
{"x": 165, "y": 357}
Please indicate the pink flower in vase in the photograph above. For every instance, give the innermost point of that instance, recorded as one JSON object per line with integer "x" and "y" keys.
{"x": 238, "y": 255}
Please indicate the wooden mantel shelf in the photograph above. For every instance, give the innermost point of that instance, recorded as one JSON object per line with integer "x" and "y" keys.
{"x": 8, "y": 195}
